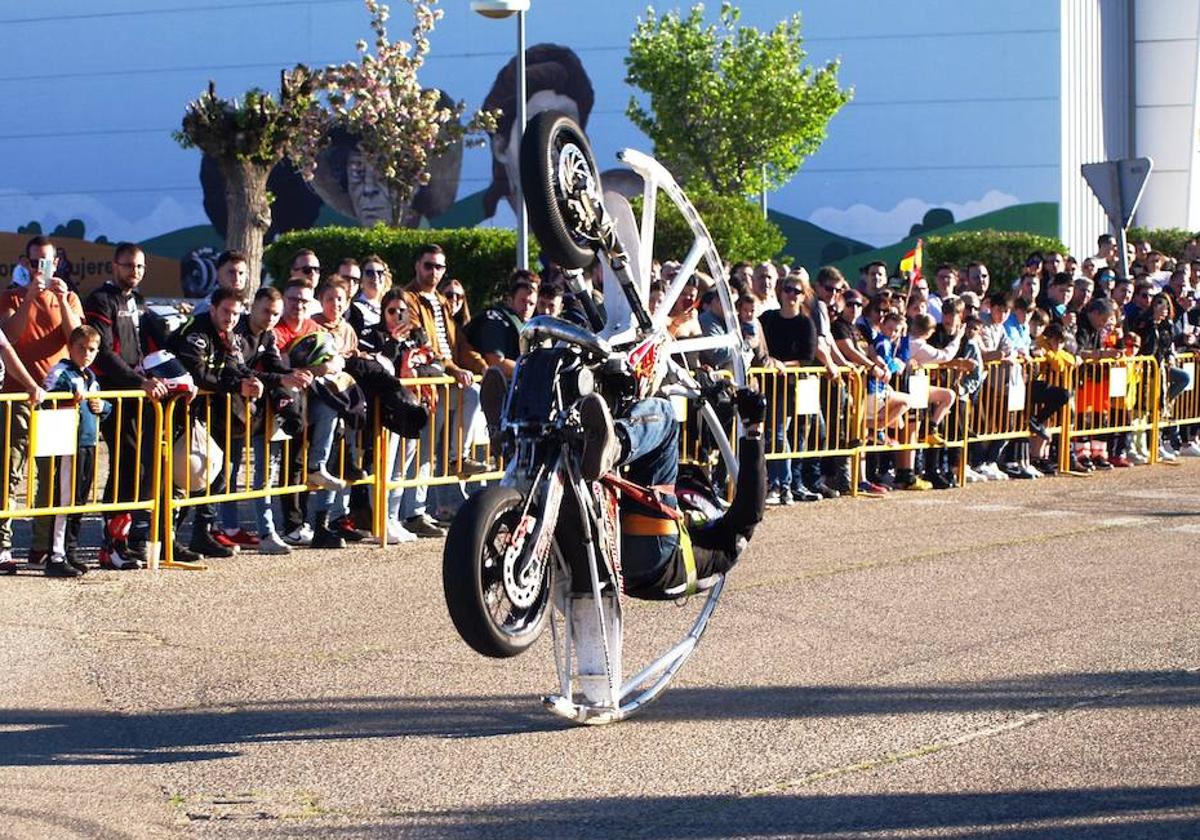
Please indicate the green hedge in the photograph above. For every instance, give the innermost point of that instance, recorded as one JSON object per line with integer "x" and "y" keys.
{"x": 1003, "y": 252}
{"x": 481, "y": 258}
{"x": 1170, "y": 241}
{"x": 737, "y": 227}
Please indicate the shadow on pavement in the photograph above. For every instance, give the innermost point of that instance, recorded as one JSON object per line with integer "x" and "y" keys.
{"x": 35, "y": 737}
{"x": 1068, "y": 814}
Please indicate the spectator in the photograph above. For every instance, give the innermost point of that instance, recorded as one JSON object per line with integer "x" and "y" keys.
{"x": 873, "y": 279}
{"x": 762, "y": 286}
{"x": 656, "y": 296}
{"x": 433, "y": 316}
{"x": 978, "y": 279}
{"x": 116, "y": 310}
{"x": 75, "y": 471}
{"x": 549, "y": 299}
{"x": 376, "y": 280}
{"x": 38, "y": 321}
{"x": 496, "y": 332}
{"x": 684, "y": 322}
{"x": 206, "y": 348}
{"x": 1059, "y": 296}
{"x": 1157, "y": 331}
{"x": 943, "y": 282}
{"x": 405, "y": 350}
{"x": 349, "y": 270}
{"x": 1106, "y": 250}
{"x": 233, "y": 273}
{"x": 255, "y": 339}
{"x": 827, "y": 293}
{"x": 330, "y": 512}
{"x": 791, "y": 341}
{"x": 751, "y": 330}
{"x": 293, "y": 325}
{"x": 304, "y": 266}
{"x": 712, "y": 323}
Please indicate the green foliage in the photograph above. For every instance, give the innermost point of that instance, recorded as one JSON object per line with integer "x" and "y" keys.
{"x": 255, "y": 129}
{"x": 481, "y": 258}
{"x": 1003, "y": 252}
{"x": 736, "y": 225}
{"x": 1170, "y": 241}
{"x": 725, "y": 103}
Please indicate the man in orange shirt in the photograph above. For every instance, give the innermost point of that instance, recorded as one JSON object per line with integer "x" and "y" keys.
{"x": 38, "y": 320}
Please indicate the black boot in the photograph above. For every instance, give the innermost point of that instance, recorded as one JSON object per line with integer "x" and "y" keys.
{"x": 202, "y": 542}
{"x": 323, "y": 537}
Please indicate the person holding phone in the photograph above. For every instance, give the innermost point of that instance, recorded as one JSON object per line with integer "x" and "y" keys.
{"x": 37, "y": 321}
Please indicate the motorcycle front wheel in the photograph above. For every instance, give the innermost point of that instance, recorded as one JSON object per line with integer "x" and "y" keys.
{"x": 561, "y": 186}
{"x": 499, "y": 612}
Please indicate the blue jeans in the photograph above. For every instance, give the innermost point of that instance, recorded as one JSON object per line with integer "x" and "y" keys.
{"x": 324, "y": 419}
{"x": 652, "y": 433}
{"x": 792, "y": 473}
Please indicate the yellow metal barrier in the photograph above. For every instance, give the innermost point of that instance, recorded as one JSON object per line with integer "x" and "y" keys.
{"x": 1113, "y": 396}
{"x": 40, "y": 446}
{"x": 1186, "y": 407}
{"x": 913, "y": 411}
{"x": 811, "y": 413}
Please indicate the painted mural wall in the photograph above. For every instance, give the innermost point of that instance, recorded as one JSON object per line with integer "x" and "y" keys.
{"x": 954, "y": 119}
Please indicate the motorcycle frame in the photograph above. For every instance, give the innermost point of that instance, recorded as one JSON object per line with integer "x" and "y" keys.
{"x": 622, "y": 698}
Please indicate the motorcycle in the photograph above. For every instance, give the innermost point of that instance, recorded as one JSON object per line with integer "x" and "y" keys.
{"x": 543, "y": 546}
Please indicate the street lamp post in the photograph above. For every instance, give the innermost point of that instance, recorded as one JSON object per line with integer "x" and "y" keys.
{"x": 503, "y": 9}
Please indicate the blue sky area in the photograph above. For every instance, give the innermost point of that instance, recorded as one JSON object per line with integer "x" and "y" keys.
{"x": 956, "y": 101}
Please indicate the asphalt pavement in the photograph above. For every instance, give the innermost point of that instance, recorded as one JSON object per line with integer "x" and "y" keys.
{"x": 1017, "y": 659}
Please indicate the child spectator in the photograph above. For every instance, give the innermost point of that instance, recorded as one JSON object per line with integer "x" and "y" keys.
{"x": 72, "y": 375}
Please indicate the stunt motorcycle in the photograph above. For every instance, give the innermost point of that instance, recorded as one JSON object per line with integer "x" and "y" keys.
{"x": 543, "y": 546}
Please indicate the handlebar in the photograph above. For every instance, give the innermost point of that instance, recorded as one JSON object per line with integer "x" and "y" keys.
{"x": 541, "y": 327}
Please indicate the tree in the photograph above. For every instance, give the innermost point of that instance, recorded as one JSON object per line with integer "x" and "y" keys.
{"x": 400, "y": 127}
{"x": 737, "y": 227}
{"x": 726, "y": 103}
{"x": 247, "y": 137}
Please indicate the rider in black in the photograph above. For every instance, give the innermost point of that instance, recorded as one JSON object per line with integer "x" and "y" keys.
{"x": 663, "y": 555}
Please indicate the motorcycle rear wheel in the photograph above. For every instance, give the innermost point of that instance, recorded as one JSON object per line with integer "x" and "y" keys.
{"x": 559, "y": 175}
{"x": 473, "y": 578}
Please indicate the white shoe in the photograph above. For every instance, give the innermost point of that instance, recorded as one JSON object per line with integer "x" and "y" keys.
{"x": 1166, "y": 445}
{"x": 1032, "y": 471}
{"x": 1191, "y": 450}
{"x": 1138, "y": 457}
{"x": 1166, "y": 453}
{"x": 301, "y": 536}
{"x": 972, "y": 476}
{"x": 991, "y": 470}
{"x": 320, "y": 479}
{"x": 397, "y": 533}
{"x": 272, "y": 543}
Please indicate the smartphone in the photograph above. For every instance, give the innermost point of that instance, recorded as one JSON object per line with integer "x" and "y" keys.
{"x": 46, "y": 266}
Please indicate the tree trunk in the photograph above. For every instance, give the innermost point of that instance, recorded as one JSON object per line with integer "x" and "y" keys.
{"x": 248, "y": 211}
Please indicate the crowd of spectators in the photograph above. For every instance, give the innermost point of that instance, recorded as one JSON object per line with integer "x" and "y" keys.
{"x": 294, "y": 374}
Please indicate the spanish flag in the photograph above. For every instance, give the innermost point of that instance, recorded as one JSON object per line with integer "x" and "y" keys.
{"x": 911, "y": 262}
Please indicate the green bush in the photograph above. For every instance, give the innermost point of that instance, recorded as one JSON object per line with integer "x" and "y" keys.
{"x": 1170, "y": 241}
{"x": 481, "y": 258}
{"x": 1004, "y": 252}
{"x": 737, "y": 227}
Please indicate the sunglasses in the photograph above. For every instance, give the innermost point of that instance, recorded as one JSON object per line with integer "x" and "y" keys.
{"x": 396, "y": 310}
{"x": 854, "y": 303}
{"x": 373, "y": 272}
{"x": 309, "y": 269}
{"x": 792, "y": 290}
{"x": 434, "y": 266}
{"x": 453, "y": 295}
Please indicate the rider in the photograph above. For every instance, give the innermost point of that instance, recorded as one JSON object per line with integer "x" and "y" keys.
{"x": 663, "y": 556}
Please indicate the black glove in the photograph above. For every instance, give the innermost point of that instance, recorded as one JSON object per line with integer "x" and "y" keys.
{"x": 751, "y": 406}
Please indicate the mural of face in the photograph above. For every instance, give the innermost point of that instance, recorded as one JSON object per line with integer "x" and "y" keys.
{"x": 506, "y": 149}
{"x": 554, "y": 78}
{"x": 368, "y": 193}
